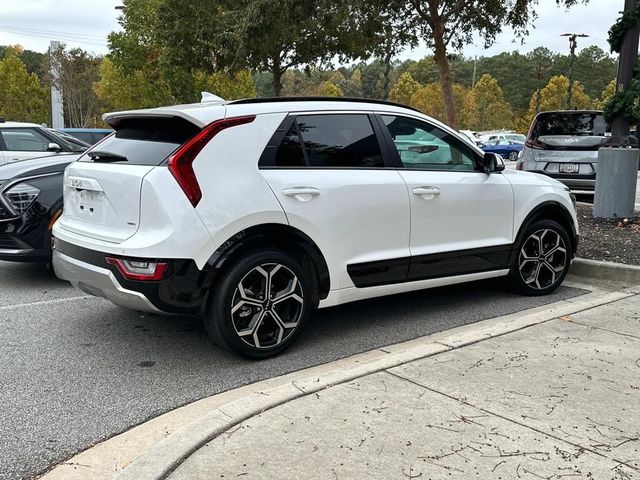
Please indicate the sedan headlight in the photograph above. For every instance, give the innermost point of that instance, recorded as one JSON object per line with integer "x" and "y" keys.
{"x": 21, "y": 196}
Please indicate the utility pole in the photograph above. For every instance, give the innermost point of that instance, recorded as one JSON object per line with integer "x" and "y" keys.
{"x": 57, "y": 111}
{"x": 616, "y": 178}
{"x": 573, "y": 44}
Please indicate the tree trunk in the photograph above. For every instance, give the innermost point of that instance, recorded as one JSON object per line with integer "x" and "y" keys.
{"x": 442, "y": 62}
{"x": 277, "y": 83}
{"x": 276, "y": 71}
{"x": 386, "y": 80}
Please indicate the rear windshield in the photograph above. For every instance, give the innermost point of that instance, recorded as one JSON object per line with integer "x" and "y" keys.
{"x": 578, "y": 124}
{"x": 144, "y": 141}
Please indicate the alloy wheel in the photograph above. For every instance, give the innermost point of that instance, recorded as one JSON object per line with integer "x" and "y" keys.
{"x": 267, "y": 305}
{"x": 513, "y": 156}
{"x": 542, "y": 259}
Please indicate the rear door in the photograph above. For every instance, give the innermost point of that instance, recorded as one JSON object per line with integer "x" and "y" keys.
{"x": 461, "y": 218}
{"x": 102, "y": 189}
{"x": 23, "y": 143}
{"x": 328, "y": 171}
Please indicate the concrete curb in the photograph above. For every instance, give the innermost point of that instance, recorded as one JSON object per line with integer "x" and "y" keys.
{"x": 618, "y": 272}
{"x": 162, "y": 455}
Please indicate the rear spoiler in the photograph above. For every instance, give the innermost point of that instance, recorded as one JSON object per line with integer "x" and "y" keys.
{"x": 199, "y": 114}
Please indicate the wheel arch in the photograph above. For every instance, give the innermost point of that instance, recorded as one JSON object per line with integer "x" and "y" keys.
{"x": 273, "y": 235}
{"x": 549, "y": 210}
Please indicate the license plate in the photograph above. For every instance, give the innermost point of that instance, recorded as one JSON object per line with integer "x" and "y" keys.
{"x": 569, "y": 167}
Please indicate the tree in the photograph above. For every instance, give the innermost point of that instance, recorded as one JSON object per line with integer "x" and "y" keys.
{"x": 452, "y": 24}
{"x": 594, "y": 68}
{"x": 607, "y": 93}
{"x": 494, "y": 111}
{"x": 429, "y": 100}
{"x": 276, "y": 35}
{"x": 118, "y": 90}
{"x": 330, "y": 89}
{"x": 22, "y": 98}
{"x": 77, "y": 71}
{"x": 391, "y": 32}
{"x": 553, "y": 97}
{"x": 404, "y": 89}
{"x": 352, "y": 86}
{"x": 226, "y": 85}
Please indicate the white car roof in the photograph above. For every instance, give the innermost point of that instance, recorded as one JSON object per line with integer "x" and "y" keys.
{"x": 206, "y": 112}
{"x": 18, "y": 125}
{"x": 203, "y": 113}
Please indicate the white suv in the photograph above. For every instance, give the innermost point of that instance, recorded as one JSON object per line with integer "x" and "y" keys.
{"x": 255, "y": 212}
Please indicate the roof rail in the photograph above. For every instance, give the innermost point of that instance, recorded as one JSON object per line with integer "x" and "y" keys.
{"x": 244, "y": 101}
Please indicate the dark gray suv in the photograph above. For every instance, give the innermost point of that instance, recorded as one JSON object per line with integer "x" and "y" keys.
{"x": 564, "y": 145}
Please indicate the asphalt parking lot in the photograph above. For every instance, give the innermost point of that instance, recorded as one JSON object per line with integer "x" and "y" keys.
{"x": 77, "y": 370}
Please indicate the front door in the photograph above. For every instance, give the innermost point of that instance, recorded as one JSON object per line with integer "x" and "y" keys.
{"x": 329, "y": 174}
{"x": 461, "y": 218}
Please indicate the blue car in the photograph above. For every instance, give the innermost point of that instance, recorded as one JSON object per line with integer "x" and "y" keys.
{"x": 505, "y": 148}
{"x": 88, "y": 135}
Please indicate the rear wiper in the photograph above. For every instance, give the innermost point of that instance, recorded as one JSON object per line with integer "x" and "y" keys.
{"x": 102, "y": 156}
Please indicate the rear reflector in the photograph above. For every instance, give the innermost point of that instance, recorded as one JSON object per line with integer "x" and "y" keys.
{"x": 143, "y": 270}
{"x": 181, "y": 162}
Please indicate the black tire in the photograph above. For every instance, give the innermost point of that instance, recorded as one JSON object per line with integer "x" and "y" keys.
{"x": 241, "y": 287}
{"x": 513, "y": 156}
{"x": 536, "y": 273}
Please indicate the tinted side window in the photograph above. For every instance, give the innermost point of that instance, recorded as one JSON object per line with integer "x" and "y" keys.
{"x": 290, "y": 152}
{"x": 330, "y": 141}
{"x": 424, "y": 146}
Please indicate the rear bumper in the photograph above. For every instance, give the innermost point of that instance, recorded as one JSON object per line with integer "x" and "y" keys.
{"x": 183, "y": 290}
{"x": 574, "y": 182}
{"x": 99, "y": 282}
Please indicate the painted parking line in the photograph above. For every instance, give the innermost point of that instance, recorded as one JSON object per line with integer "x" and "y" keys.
{"x": 45, "y": 302}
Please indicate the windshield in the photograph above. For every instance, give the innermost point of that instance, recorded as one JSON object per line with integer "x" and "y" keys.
{"x": 67, "y": 142}
{"x": 579, "y": 124}
{"x": 516, "y": 137}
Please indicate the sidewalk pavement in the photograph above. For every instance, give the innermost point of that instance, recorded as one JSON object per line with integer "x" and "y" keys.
{"x": 549, "y": 393}
{"x": 559, "y": 399}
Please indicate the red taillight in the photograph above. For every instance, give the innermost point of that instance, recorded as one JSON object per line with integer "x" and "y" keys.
{"x": 181, "y": 162}
{"x": 533, "y": 144}
{"x": 143, "y": 270}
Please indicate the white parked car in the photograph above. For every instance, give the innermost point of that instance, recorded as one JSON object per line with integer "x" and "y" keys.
{"x": 22, "y": 141}
{"x": 505, "y": 136}
{"x": 255, "y": 212}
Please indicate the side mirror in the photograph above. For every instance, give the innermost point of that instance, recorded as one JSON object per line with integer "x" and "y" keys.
{"x": 491, "y": 163}
{"x": 54, "y": 147}
{"x": 423, "y": 148}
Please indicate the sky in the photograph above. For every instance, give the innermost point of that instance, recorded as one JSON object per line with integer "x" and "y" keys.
{"x": 86, "y": 24}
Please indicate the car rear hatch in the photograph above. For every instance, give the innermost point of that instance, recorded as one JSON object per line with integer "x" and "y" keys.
{"x": 567, "y": 142}
{"x": 102, "y": 189}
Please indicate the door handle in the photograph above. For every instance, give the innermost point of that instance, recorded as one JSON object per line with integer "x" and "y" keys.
{"x": 426, "y": 192}
{"x": 302, "y": 194}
